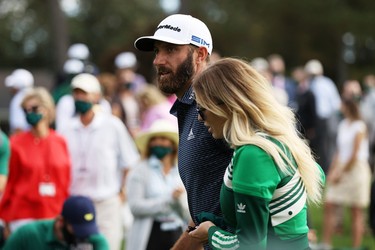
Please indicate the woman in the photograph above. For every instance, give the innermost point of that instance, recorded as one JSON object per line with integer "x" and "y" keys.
{"x": 156, "y": 196}
{"x": 39, "y": 167}
{"x": 349, "y": 177}
{"x": 272, "y": 172}
{"x": 154, "y": 105}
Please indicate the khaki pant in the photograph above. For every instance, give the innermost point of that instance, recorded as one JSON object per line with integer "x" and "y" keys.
{"x": 108, "y": 218}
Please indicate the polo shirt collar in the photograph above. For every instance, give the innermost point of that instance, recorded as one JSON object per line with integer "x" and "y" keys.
{"x": 188, "y": 98}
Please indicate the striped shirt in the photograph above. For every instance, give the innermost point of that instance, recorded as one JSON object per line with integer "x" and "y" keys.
{"x": 267, "y": 207}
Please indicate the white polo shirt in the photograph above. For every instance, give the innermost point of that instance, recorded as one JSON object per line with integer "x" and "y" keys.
{"x": 99, "y": 153}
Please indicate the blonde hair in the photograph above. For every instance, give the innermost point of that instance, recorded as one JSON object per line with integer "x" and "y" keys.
{"x": 232, "y": 84}
{"x": 151, "y": 95}
{"x": 44, "y": 98}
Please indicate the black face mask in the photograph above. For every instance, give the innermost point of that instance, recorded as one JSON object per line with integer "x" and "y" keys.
{"x": 69, "y": 238}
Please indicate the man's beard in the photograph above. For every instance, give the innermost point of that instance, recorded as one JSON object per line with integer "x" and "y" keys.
{"x": 175, "y": 81}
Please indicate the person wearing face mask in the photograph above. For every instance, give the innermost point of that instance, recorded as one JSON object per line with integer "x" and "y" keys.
{"x": 102, "y": 151}
{"x": 156, "y": 195}
{"x": 39, "y": 166}
{"x": 74, "y": 228}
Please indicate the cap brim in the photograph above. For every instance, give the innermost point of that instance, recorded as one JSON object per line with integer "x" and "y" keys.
{"x": 85, "y": 230}
{"x": 146, "y": 43}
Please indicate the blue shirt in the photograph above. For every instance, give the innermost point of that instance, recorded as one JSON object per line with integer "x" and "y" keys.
{"x": 202, "y": 160}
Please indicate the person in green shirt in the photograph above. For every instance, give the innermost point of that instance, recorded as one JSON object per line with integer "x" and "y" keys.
{"x": 272, "y": 173}
{"x": 4, "y": 160}
{"x": 75, "y": 228}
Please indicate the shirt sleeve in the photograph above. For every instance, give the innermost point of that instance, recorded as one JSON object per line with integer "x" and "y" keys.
{"x": 128, "y": 153}
{"x": 255, "y": 178}
{"x": 251, "y": 231}
{"x": 99, "y": 242}
{"x": 4, "y": 154}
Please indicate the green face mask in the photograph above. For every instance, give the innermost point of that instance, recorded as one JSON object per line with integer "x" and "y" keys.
{"x": 33, "y": 118}
{"x": 160, "y": 152}
{"x": 82, "y": 107}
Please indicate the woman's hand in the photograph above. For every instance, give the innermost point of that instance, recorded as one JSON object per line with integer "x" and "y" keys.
{"x": 201, "y": 232}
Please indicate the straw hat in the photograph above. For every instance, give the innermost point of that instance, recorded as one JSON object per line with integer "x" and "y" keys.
{"x": 158, "y": 128}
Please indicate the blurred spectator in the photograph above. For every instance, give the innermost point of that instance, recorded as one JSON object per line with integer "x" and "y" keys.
{"x": 74, "y": 228}
{"x": 101, "y": 150}
{"x": 280, "y": 80}
{"x": 306, "y": 107}
{"x": 154, "y": 105}
{"x": 349, "y": 177}
{"x": 72, "y": 67}
{"x": 126, "y": 66}
{"x": 4, "y": 160}
{"x": 20, "y": 81}
{"x": 65, "y": 110}
{"x": 110, "y": 89}
{"x": 39, "y": 168}
{"x": 156, "y": 194}
{"x": 368, "y": 114}
{"x": 262, "y": 66}
{"x": 327, "y": 100}
{"x": 81, "y": 52}
{"x": 129, "y": 83}
{"x": 351, "y": 89}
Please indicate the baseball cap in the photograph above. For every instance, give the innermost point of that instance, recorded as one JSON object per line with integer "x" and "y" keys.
{"x": 78, "y": 51}
{"x": 73, "y": 66}
{"x": 19, "y": 79}
{"x": 125, "y": 60}
{"x": 178, "y": 29}
{"x": 86, "y": 82}
{"x": 79, "y": 211}
{"x": 314, "y": 67}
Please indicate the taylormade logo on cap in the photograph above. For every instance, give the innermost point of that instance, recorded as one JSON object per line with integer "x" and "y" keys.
{"x": 178, "y": 29}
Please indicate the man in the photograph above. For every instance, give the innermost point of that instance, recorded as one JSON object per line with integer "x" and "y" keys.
{"x": 327, "y": 101}
{"x": 19, "y": 82}
{"x": 182, "y": 46}
{"x": 75, "y": 228}
{"x": 102, "y": 151}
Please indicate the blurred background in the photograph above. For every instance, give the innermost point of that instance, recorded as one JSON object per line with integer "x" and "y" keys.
{"x": 35, "y": 34}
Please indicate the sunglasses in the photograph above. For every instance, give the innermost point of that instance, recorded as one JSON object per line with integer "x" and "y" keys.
{"x": 31, "y": 109}
{"x": 201, "y": 113}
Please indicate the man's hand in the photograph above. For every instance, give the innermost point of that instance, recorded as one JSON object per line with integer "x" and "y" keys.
{"x": 186, "y": 242}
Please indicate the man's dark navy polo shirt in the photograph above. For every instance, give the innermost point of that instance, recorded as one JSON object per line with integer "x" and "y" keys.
{"x": 202, "y": 160}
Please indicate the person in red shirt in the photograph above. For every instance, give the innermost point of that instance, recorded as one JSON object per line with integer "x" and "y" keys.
{"x": 39, "y": 166}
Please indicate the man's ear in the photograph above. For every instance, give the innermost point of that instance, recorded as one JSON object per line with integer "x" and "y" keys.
{"x": 202, "y": 54}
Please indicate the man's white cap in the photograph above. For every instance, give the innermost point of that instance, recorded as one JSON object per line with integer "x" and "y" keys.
{"x": 314, "y": 67}
{"x": 86, "y": 82}
{"x": 19, "y": 79}
{"x": 125, "y": 60}
{"x": 78, "y": 51}
{"x": 178, "y": 29}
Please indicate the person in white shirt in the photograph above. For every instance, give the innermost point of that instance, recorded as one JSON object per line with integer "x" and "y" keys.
{"x": 19, "y": 81}
{"x": 101, "y": 151}
{"x": 327, "y": 101}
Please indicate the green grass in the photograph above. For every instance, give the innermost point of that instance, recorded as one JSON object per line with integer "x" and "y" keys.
{"x": 342, "y": 241}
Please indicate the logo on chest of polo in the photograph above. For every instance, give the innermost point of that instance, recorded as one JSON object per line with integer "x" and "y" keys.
{"x": 191, "y": 135}
{"x": 241, "y": 208}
